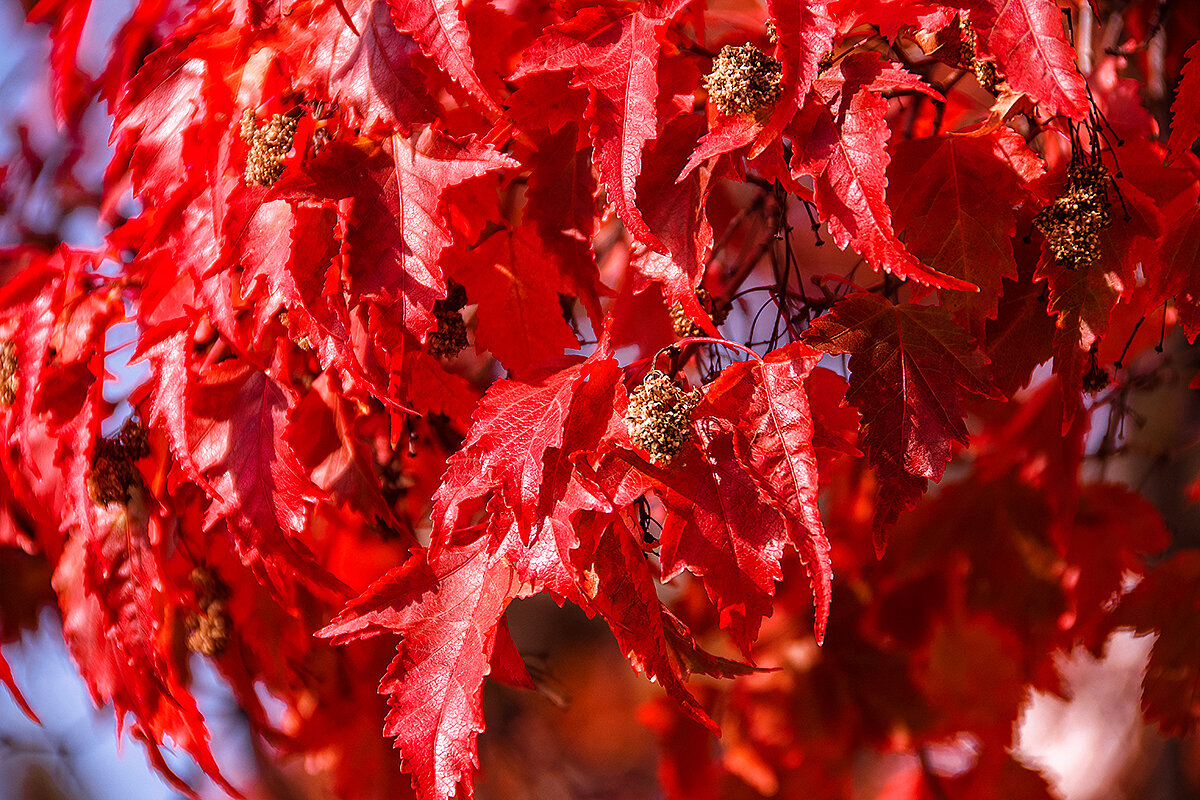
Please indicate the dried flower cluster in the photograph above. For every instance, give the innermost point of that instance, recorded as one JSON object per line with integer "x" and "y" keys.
{"x": 984, "y": 69}
{"x": 685, "y": 326}
{"x": 1072, "y": 223}
{"x": 744, "y": 79}
{"x": 208, "y": 630}
{"x": 113, "y": 474}
{"x": 659, "y": 416}
{"x": 8, "y": 373}
{"x": 451, "y": 335}
{"x": 269, "y": 145}
{"x": 1096, "y": 378}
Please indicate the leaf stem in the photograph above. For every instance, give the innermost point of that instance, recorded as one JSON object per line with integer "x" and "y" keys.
{"x": 709, "y": 340}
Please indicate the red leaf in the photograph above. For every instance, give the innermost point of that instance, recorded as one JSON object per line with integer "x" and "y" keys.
{"x": 71, "y": 85}
{"x": 616, "y": 57}
{"x": 396, "y": 233}
{"x": 675, "y": 211}
{"x": 373, "y": 71}
{"x": 1167, "y": 602}
{"x": 446, "y": 610}
{"x": 170, "y": 95}
{"x": 1113, "y": 530}
{"x": 621, "y": 589}
{"x": 1179, "y": 277}
{"x": 6, "y": 678}
{"x": 1185, "y": 111}
{"x": 236, "y": 421}
{"x": 439, "y": 27}
{"x": 562, "y": 207}
{"x": 841, "y": 137}
{"x": 805, "y": 33}
{"x": 768, "y": 405}
{"x": 520, "y": 319}
{"x": 169, "y": 351}
{"x": 516, "y": 424}
{"x": 910, "y": 368}
{"x": 110, "y": 588}
{"x": 954, "y": 199}
{"x": 1027, "y": 40}
{"x": 718, "y": 528}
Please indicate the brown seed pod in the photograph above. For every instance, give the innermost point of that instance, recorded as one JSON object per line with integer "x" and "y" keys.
{"x": 451, "y": 335}
{"x": 269, "y": 145}
{"x": 113, "y": 474}
{"x": 8, "y": 373}
{"x": 685, "y": 326}
{"x": 209, "y": 630}
{"x": 1072, "y": 223}
{"x": 968, "y": 43}
{"x": 744, "y": 79}
{"x": 659, "y": 417}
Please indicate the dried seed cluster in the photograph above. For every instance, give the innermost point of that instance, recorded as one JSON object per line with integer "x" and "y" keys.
{"x": 985, "y": 70}
{"x": 269, "y": 145}
{"x": 744, "y": 79}
{"x": 209, "y": 629}
{"x": 1096, "y": 378}
{"x": 113, "y": 474}
{"x": 685, "y": 326}
{"x": 451, "y": 334}
{"x": 1072, "y": 224}
{"x": 8, "y": 373}
{"x": 659, "y": 416}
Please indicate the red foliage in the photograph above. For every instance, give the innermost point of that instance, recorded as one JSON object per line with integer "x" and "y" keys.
{"x": 400, "y": 351}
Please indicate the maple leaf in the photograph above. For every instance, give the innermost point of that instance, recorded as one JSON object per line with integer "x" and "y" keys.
{"x": 562, "y": 206}
{"x": 446, "y": 609}
{"x": 620, "y": 587}
{"x": 718, "y": 528}
{"x": 910, "y": 368}
{"x": 171, "y": 94}
{"x": 953, "y": 198}
{"x": 373, "y": 70}
{"x": 236, "y": 419}
{"x": 516, "y": 423}
{"x": 322, "y": 434}
{"x": 1185, "y": 111}
{"x": 1113, "y": 530}
{"x": 1167, "y": 602}
{"x": 395, "y": 233}
{"x": 675, "y": 211}
{"x": 440, "y": 29}
{"x": 1027, "y": 40}
{"x": 109, "y": 581}
{"x": 1180, "y": 253}
{"x": 805, "y": 34}
{"x": 840, "y": 138}
{"x": 616, "y": 56}
{"x": 520, "y": 319}
{"x": 71, "y": 85}
{"x": 768, "y": 405}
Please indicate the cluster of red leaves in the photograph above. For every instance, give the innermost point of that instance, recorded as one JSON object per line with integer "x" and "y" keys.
{"x": 311, "y": 447}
